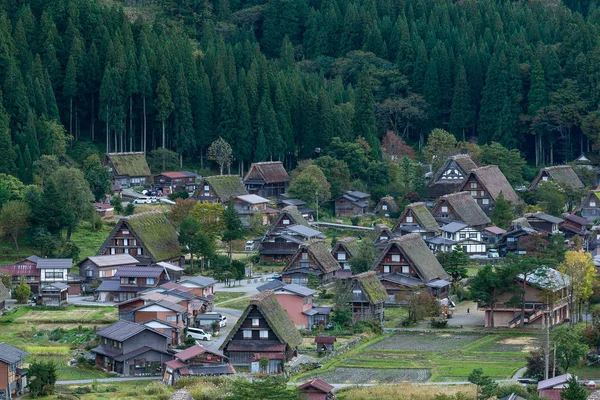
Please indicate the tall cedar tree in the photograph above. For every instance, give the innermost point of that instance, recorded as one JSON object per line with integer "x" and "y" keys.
{"x": 363, "y": 122}
{"x": 164, "y": 105}
{"x": 184, "y": 139}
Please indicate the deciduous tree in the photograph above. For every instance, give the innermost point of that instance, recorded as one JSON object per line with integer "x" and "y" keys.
{"x": 14, "y": 220}
{"x": 221, "y": 153}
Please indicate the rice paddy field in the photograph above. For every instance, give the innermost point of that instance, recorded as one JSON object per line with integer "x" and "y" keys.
{"x": 59, "y": 335}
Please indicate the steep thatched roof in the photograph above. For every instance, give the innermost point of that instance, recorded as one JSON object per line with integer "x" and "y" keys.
{"x": 226, "y": 187}
{"x": 440, "y": 186}
{"x": 561, "y": 174}
{"x": 156, "y": 233}
{"x": 420, "y": 256}
{"x": 371, "y": 287}
{"x": 466, "y": 208}
{"x": 389, "y": 200}
{"x": 350, "y": 244}
{"x": 270, "y": 172}
{"x": 422, "y": 217}
{"x": 494, "y": 182}
{"x": 319, "y": 253}
{"x": 129, "y": 164}
{"x": 295, "y": 216}
{"x": 276, "y": 317}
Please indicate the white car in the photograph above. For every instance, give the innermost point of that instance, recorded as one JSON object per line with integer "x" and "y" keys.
{"x": 142, "y": 200}
{"x": 493, "y": 253}
{"x": 222, "y": 320}
{"x": 249, "y": 245}
{"x": 198, "y": 334}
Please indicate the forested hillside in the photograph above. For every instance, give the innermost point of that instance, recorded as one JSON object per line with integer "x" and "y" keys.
{"x": 279, "y": 80}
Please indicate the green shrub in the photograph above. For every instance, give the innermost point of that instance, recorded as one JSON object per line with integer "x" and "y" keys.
{"x": 438, "y": 323}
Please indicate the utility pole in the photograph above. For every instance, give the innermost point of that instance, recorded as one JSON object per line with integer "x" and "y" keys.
{"x": 317, "y": 200}
{"x": 547, "y": 348}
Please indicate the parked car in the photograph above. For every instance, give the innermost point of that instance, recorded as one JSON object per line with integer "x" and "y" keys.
{"x": 222, "y": 319}
{"x": 249, "y": 245}
{"x": 275, "y": 277}
{"x": 493, "y": 253}
{"x": 198, "y": 334}
{"x": 142, "y": 200}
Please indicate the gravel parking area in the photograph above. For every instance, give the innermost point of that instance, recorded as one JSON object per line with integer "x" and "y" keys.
{"x": 373, "y": 375}
{"x": 423, "y": 342}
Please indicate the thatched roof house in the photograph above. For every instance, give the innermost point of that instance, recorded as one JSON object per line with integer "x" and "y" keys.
{"x": 461, "y": 207}
{"x": 149, "y": 237}
{"x": 311, "y": 258}
{"x": 417, "y": 214}
{"x": 387, "y": 206}
{"x": 560, "y": 174}
{"x": 451, "y": 176}
{"x": 267, "y": 179}
{"x": 128, "y": 169}
{"x": 264, "y": 330}
{"x": 368, "y": 297}
{"x": 343, "y": 250}
{"x": 220, "y": 188}
{"x": 491, "y": 180}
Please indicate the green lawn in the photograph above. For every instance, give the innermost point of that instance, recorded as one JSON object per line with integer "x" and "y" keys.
{"x": 394, "y": 316}
{"x": 220, "y": 297}
{"x": 239, "y": 304}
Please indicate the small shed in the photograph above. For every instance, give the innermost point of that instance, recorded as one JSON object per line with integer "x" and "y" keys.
{"x": 552, "y": 388}
{"x": 325, "y": 343}
{"x": 316, "y": 390}
{"x": 55, "y": 294}
{"x": 104, "y": 210}
{"x": 206, "y": 320}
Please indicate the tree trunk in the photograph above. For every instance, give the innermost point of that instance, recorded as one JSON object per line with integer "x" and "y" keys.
{"x": 69, "y": 231}
{"x": 116, "y": 142}
{"x": 163, "y": 134}
{"x": 71, "y": 117}
{"x": 131, "y": 123}
{"x": 16, "y": 239}
{"x": 181, "y": 160}
{"x": 92, "y": 130}
{"x": 107, "y": 132}
{"x": 551, "y": 153}
{"x": 522, "y": 322}
{"x": 144, "y": 136}
{"x": 192, "y": 260}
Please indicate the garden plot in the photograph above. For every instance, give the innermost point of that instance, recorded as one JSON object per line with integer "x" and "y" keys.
{"x": 424, "y": 342}
{"x": 374, "y": 375}
{"x": 73, "y": 315}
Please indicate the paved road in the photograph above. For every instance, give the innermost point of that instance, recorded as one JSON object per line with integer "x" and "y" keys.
{"x": 244, "y": 286}
{"x": 109, "y": 380}
{"x": 88, "y": 301}
{"x": 232, "y": 318}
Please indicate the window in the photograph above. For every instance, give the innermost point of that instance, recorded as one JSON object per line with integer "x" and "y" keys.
{"x": 125, "y": 232}
{"x": 592, "y": 204}
{"x": 264, "y": 334}
{"x": 384, "y": 207}
{"x": 102, "y": 274}
{"x": 386, "y": 269}
{"x": 383, "y": 237}
{"x": 473, "y": 235}
{"x": 125, "y": 242}
{"x": 131, "y": 281}
{"x": 545, "y": 178}
{"x": 172, "y": 318}
{"x": 395, "y": 257}
{"x": 462, "y": 235}
{"x": 149, "y": 281}
{"x": 286, "y": 221}
{"x": 473, "y": 185}
{"x": 54, "y": 275}
{"x": 405, "y": 269}
{"x": 444, "y": 209}
{"x": 511, "y": 239}
{"x": 206, "y": 188}
{"x": 341, "y": 256}
{"x": 305, "y": 256}
{"x": 133, "y": 242}
{"x": 255, "y": 322}
{"x": 105, "y": 341}
{"x": 89, "y": 273}
{"x": 409, "y": 219}
{"x": 474, "y": 193}
{"x": 113, "y": 271}
{"x": 247, "y": 334}
{"x": 112, "y": 250}
{"x": 306, "y": 300}
{"x": 486, "y": 202}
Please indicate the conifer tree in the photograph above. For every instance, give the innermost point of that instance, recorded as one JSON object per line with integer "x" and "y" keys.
{"x": 184, "y": 139}
{"x": 7, "y": 152}
{"x": 70, "y": 88}
{"x": 164, "y": 105}
{"x": 363, "y": 123}
{"x": 145, "y": 87}
{"x": 502, "y": 214}
{"x": 461, "y": 115}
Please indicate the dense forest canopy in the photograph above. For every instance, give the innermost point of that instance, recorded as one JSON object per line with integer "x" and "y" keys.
{"x": 280, "y": 79}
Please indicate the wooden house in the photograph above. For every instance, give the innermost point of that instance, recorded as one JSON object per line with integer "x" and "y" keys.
{"x": 287, "y": 232}
{"x": 128, "y": 169}
{"x": 263, "y": 331}
{"x": 543, "y": 222}
{"x": 491, "y": 235}
{"x": 552, "y": 388}
{"x": 220, "y": 189}
{"x": 171, "y": 182}
{"x": 325, "y": 343}
{"x": 39, "y": 272}
{"x": 96, "y": 268}
{"x": 128, "y": 282}
{"x": 131, "y": 349}
{"x": 417, "y": 215}
{"x": 54, "y": 294}
{"x": 196, "y": 361}
{"x": 574, "y": 225}
{"x": 249, "y": 205}
{"x": 104, "y": 210}
{"x": 368, "y": 297}
{"x": 460, "y": 207}
{"x": 510, "y": 242}
{"x": 173, "y": 332}
{"x": 148, "y": 236}
{"x": 381, "y": 235}
{"x": 301, "y": 205}
{"x": 267, "y": 179}
{"x": 343, "y": 251}
{"x": 316, "y": 389}
{"x": 407, "y": 264}
{"x": 464, "y": 236}
{"x": 311, "y": 258}
{"x": 451, "y": 176}
{"x": 352, "y": 203}
{"x": 590, "y": 206}
{"x": 387, "y": 207}
{"x": 560, "y": 174}
{"x": 540, "y": 307}
{"x": 485, "y": 184}
{"x": 27, "y": 269}
{"x": 13, "y": 378}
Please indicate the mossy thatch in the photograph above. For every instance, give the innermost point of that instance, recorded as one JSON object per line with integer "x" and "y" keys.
{"x": 371, "y": 287}
{"x": 156, "y": 234}
{"x": 129, "y": 164}
{"x": 226, "y": 187}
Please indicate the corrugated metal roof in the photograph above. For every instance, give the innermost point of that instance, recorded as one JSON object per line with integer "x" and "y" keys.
{"x": 297, "y": 289}
{"x": 112, "y": 260}
{"x": 252, "y": 199}
{"x": 201, "y": 281}
{"x": 306, "y": 231}
{"x": 57, "y": 263}
{"x": 11, "y": 354}
{"x": 139, "y": 272}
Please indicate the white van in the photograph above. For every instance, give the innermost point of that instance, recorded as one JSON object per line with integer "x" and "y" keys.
{"x": 249, "y": 245}
{"x": 142, "y": 200}
{"x": 198, "y": 334}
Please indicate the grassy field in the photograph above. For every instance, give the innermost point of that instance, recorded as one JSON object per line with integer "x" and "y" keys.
{"x": 226, "y": 296}
{"x": 394, "y": 316}
{"x": 439, "y": 357}
{"x": 238, "y": 304}
{"x": 29, "y": 329}
{"x": 405, "y": 391}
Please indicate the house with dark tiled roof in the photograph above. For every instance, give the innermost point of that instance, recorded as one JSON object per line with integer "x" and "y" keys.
{"x": 417, "y": 215}
{"x": 459, "y": 234}
{"x": 301, "y": 205}
{"x": 543, "y": 222}
{"x": 510, "y": 242}
{"x": 343, "y": 251}
{"x": 407, "y": 264}
{"x": 128, "y": 169}
{"x": 249, "y": 205}
{"x": 560, "y": 174}
{"x": 41, "y": 272}
{"x": 574, "y": 225}
{"x": 460, "y": 207}
{"x": 148, "y": 236}
{"x": 451, "y": 176}
{"x": 590, "y": 206}
{"x": 368, "y": 297}
{"x": 97, "y": 268}
{"x": 287, "y": 232}
{"x": 352, "y": 203}
{"x": 13, "y": 379}
{"x": 220, "y": 189}
{"x": 485, "y": 184}
{"x": 128, "y": 282}
{"x": 200, "y": 285}
{"x": 312, "y": 258}
{"x": 316, "y": 389}
{"x": 196, "y": 361}
{"x": 264, "y": 331}
{"x": 267, "y": 179}
{"x": 387, "y": 207}
{"x": 131, "y": 349}
{"x": 164, "y": 311}
{"x": 181, "y": 181}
